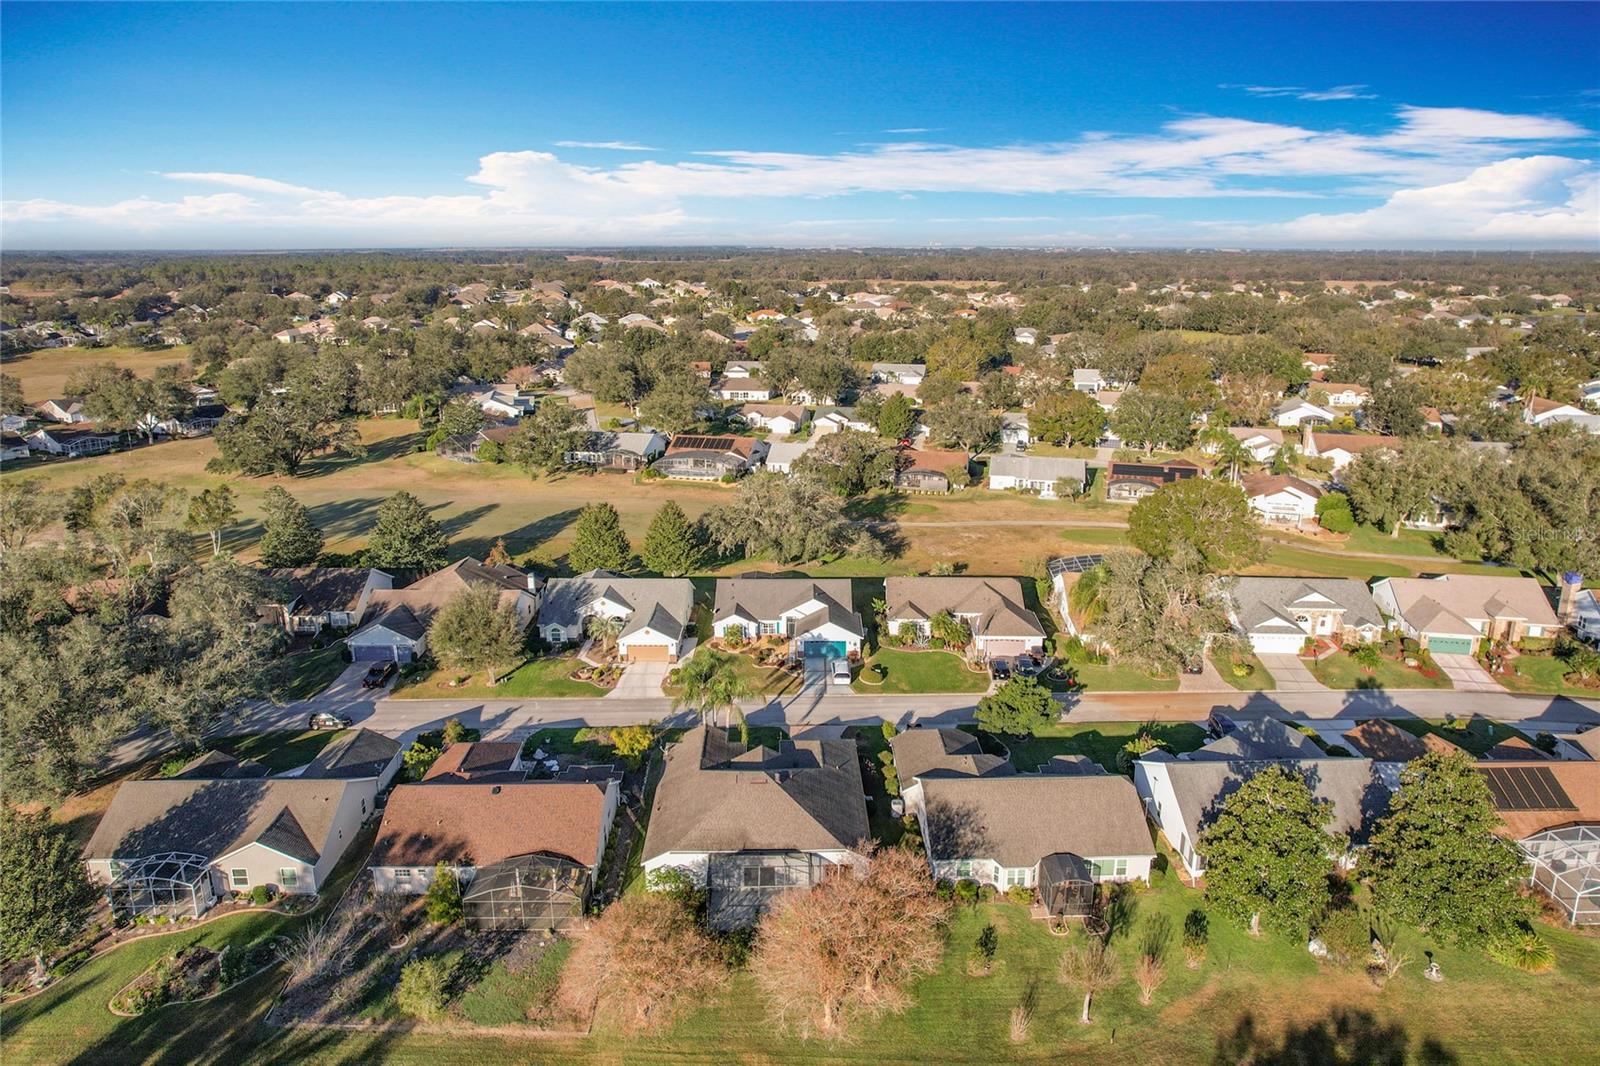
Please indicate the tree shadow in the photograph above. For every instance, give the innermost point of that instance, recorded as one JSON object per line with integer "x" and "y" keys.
{"x": 376, "y": 452}
{"x": 1345, "y": 1037}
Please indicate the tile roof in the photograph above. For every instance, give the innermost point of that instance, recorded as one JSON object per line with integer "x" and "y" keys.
{"x": 1267, "y": 484}
{"x": 479, "y": 824}
{"x": 1386, "y": 742}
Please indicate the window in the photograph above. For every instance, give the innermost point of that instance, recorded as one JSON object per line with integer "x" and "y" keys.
{"x": 1016, "y": 877}
{"x": 1104, "y": 868}
{"x": 964, "y": 868}
{"x": 288, "y": 877}
{"x": 363, "y": 807}
{"x": 402, "y": 874}
{"x": 768, "y": 628}
{"x": 239, "y": 878}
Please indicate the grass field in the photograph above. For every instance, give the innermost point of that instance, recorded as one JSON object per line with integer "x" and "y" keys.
{"x": 1100, "y": 741}
{"x": 279, "y": 751}
{"x": 545, "y": 678}
{"x": 1110, "y": 677}
{"x": 44, "y": 373}
{"x": 923, "y": 671}
{"x": 1544, "y": 674}
{"x": 1340, "y": 671}
{"x": 1477, "y": 737}
{"x": 311, "y": 672}
{"x": 1260, "y": 678}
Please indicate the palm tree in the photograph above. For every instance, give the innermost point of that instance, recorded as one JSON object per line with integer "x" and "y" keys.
{"x": 710, "y": 684}
{"x": 1231, "y": 450}
{"x": 606, "y": 630}
{"x": 1285, "y": 459}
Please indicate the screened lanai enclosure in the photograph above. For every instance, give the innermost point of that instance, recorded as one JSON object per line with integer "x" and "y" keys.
{"x": 1068, "y": 894}
{"x": 1566, "y": 867}
{"x": 173, "y": 884}
{"x": 538, "y": 891}
{"x": 743, "y": 884}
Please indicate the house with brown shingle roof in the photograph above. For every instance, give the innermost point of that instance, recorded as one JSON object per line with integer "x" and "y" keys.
{"x": 992, "y": 608}
{"x": 1449, "y": 614}
{"x": 477, "y": 762}
{"x": 1281, "y": 499}
{"x": 751, "y": 823}
{"x": 475, "y": 828}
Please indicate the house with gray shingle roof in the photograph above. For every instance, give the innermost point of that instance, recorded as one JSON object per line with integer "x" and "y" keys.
{"x": 1278, "y": 614}
{"x": 992, "y": 608}
{"x": 813, "y": 616}
{"x": 749, "y": 824}
{"x": 1036, "y": 473}
{"x": 982, "y": 820}
{"x": 656, "y": 612}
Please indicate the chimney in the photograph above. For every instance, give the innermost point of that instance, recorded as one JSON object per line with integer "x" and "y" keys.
{"x": 1307, "y": 442}
{"x": 1567, "y": 605}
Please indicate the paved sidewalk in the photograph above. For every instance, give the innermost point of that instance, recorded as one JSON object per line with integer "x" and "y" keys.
{"x": 1291, "y": 674}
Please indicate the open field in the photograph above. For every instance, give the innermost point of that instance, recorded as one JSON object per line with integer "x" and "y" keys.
{"x": 44, "y": 373}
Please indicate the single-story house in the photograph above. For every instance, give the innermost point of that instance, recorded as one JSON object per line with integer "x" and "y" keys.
{"x": 1037, "y": 473}
{"x": 174, "y": 846}
{"x": 1260, "y": 444}
{"x": 993, "y": 609}
{"x": 1552, "y": 811}
{"x": 1128, "y": 482}
{"x": 197, "y": 422}
{"x": 319, "y": 597}
{"x": 74, "y": 442}
{"x": 356, "y": 755}
{"x": 781, "y": 455}
{"x": 1278, "y": 614}
{"x": 748, "y": 825}
{"x": 13, "y": 446}
{"x": 67, "y": 411}
{"x": 743, "y": 389}
{"x": 1542, "y": 412}
{"x": 1014, "y": 429}
{"x": 900, "y": 373}
{"x": 1295, "y": 410}
{"x": 1340, "y": 393}
{"x": 927, "y": 470}
{"x": 395, "y": 626}
{"x": 983, "y": 821}
{"x": 1381, "y": 740}
{"x": 656, "y": 612}
{"x": 478, "y": 762}
{"x": 744, "y": 369}
{"x": 779, "y": 418}
{"x": 1183, "y": 796}
{"x": 618, "y": 451}
{"x": 526, "y": 852}
{"x": 1449, "y": 614}
{"x": 833, "y": 419}
{"x": 1340, "y": 449}
{"x": 814, "y": 616}
{"x": 1258, "y": 739}
{"x": 1585, "y": 614}
{"x": 701, "y": 458}
{"x": 1088, "y": 379}
{"x": 1281, "y": 499}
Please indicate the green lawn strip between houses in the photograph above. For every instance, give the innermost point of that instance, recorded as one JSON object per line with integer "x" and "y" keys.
{"x": 546, "y": 677}
{"x": 1477, "y": 737}
{"x": 1543, "y": 674}
{"x": 1340, "y": 671}
{"x": 312, "y": 671}
{"x": 1101, "y": 741}
{"x": 278, "y": 751}
{"x": 922, "y": 671}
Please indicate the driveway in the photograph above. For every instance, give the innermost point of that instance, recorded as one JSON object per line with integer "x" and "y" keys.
{"x": 346, "y": 688}
{"x": 1291, "y": 674}
{"x": 640, "y": 681}
{"x": 1467, "y": 674}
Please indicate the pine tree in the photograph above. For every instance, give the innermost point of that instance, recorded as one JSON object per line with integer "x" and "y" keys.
{"x": 1268, "y": 855}
{"x": 598, "y": 540}
{"x": 291, "y": 538}
{"x": 406, "y": 536}
{"x": 672, "y": 546}
{"x": 1435, "y": 859}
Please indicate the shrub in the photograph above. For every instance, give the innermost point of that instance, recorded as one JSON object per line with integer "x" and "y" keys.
{"x": 443, "y": 901}
{"x": 1021, "y": 1021}
{"x": 889, "y": 731}
{"x": 421, "y": 991}
{"x": 1346, "y": 934}
{"x": 967, "y": 892}
{"x": 944, "y": 889}
{"x": 1523, "y": 949}
{"x": 1196, "y": 937}
{"x": 454, "y": 731}
{"x": 986, "y": 893}
{"x": 1019, "y": 894}
{"x": 1242, "y": 669}
{"x": 980, "y": 960}
{"x": 261, "y": 895}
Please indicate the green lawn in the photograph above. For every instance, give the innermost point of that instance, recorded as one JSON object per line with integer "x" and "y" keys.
{"x": 1099, "y": 740}
{"x": 505, "y": 998}
{"x": 1544, "y": 674}
{"x": 1479, "y": 735}
{"x": 762, "y": 681}
{"x": 279, "y": 751}
{"x": 1260, "y": 679}
{"x": 923, "y": 671}
{"x": 870, "y": 742}
{"x": 311, "y": 672}
{"x": 542, "y": 678}
{"x": 1111, "y": 677}
{"x": 1340, "y": 671}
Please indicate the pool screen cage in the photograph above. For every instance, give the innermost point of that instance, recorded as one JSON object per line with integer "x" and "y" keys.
{"x": 1566, "y": 867}
{"x": 536, "y": 891}
{"x": 1066, "y": 886}
{"x": 173, "y": 884}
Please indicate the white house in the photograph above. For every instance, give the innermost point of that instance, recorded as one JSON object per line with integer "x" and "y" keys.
{"x": 832, "y": 419}
{"x": 1281, "y": 499}
{"x": 1036, "y": 473}
{"x": 749, "y": 825}
{"x": 657, "y": 613}
{"x": 1088, "y": 379}
{"x": 781, "y": 455}
{"x": 1278, "y": 614}
{"x": 1014, "y": 429}
{"x": 1341, "y": 449}
{"x": 68, "y": 411}
{"x": 1341, "y": 394}
{"x": 395, "y": 626}
{"x": 899, "y": 373}
{"x": 74, "y": 443}
{"x": 13, "y": 446}
{"x": 983, "y": 821}
{"x": 1295, "y": 410}
{"x": 1543, "y": 412}
{"x": 777, "y": 418}
{"x": 813, "y": 616}
{"x": 743, "y": 389}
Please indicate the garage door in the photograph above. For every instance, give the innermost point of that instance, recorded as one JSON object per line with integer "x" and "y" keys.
{"x": 647, "y": 653}
{"x": 379, "y": 653}
{"x": 1451, "y": 645}
{"x": 1277, "y": 643}
{"x": 1005, "y": 648}
{"x": 824, "y": 649}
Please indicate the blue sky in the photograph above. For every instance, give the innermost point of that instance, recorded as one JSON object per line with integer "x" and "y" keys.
{"x": 308, "y": 125}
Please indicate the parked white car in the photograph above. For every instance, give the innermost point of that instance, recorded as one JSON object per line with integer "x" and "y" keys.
{"x": 841, "y": 672}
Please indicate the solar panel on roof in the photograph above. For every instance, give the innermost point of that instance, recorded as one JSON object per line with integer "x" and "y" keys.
{"x": 709, "y": 443}
{"x": 1526, "y": 788}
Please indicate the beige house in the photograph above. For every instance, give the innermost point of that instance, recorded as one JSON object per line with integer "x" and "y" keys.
{"x": 992, "y": 608}
{"x": 1449, "y": 614}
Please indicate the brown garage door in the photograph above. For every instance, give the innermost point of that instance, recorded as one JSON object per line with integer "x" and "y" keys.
{"x": 1005, "y": 648}
{"x": 647, "y": 653}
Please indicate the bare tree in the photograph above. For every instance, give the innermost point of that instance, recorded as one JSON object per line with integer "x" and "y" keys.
{"x": 1087, "y": 966}
{"x": 645, "y": 957}
{"x": 848, "y": 947}
{"x": 318, "y": 948}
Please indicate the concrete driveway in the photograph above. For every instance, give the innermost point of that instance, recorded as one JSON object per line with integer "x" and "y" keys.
{"x": 346, "y": 688}
{"x": 1290, "y": 673}
{"x": 1466, "y": 674}
{"x": 640, "y": 681}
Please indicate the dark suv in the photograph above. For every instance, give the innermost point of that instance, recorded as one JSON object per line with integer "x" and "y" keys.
{"x": 378, "y": 675}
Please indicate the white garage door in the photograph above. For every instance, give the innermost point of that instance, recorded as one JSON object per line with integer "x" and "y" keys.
{"x": 1277, "y": 643}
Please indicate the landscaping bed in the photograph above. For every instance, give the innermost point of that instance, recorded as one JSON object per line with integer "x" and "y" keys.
{"x": 189, "y": 973}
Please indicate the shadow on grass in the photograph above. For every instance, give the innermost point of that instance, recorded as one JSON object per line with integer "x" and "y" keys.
{"x": 1345, "y": 1036}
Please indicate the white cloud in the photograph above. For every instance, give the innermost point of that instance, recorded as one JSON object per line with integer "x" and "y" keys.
{"x": 1428, "y": 156}
{"x": 612, "y": 146}
{"x": 1300, "y": 92}
{"x": 909, "y": 129}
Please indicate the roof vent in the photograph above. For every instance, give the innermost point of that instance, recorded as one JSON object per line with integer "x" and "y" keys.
{"x": 495, "y": 791}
